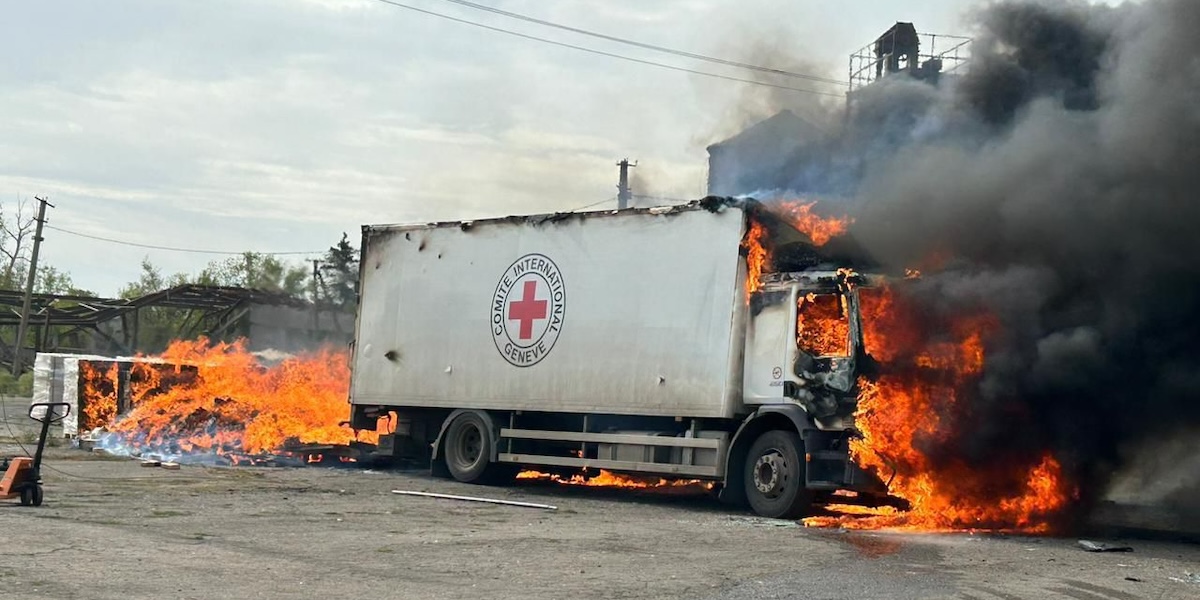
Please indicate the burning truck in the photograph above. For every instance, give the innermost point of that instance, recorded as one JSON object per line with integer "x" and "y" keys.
{"x": 660, "y": 342}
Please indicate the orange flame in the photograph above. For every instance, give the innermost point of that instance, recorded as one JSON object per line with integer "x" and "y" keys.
{"x": 819, "y": 229}
{"x": 98, "y": 389}
{"x": 799, "y": 215}
{"x": 822, "y": 326}
{"x": 911, "y": 409}
{"x": 756, "y": 256}
{"x": 232, "y": 404}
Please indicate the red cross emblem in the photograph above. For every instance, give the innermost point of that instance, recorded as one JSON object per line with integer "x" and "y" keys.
{"x": 527, "y": 310}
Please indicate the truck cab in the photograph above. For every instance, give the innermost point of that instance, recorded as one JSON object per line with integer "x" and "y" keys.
{"x": 804, "y": 343}
{"x": 804, "y": 354}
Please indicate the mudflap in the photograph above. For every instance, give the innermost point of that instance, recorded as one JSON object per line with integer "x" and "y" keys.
{"x": 863, "y": 481}
{"x": 829, "y": 467}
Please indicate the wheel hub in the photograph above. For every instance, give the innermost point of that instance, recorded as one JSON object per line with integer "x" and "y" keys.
{"x": 768, "y": 473}
{"x": 470, "y": 445}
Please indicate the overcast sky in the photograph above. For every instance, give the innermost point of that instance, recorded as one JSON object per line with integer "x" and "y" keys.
{"x": 275, "y": 125}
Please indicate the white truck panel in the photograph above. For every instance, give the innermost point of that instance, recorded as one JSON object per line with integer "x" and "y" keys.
{"x": 637, "y": 312}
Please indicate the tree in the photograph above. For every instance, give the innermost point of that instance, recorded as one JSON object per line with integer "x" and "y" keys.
{"x": 339, "y": 274}
{"x": 50, "y": 280}
{"x": 16, "y": 235}
{"x": 256, "y": 271}
{"x": 157, "y": 326}
{"x": 150, "y": 280}
{"x": 17, "y": 227}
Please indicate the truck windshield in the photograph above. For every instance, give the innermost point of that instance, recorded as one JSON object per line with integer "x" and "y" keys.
{"x": 823, "y": 325}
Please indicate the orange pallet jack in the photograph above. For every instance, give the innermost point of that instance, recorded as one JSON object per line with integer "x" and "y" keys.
{"x": 23, "y": 475}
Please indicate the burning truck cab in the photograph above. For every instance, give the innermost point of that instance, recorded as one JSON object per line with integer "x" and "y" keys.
{"x": 709, "y": 341}
{"x": 822, "y": 356}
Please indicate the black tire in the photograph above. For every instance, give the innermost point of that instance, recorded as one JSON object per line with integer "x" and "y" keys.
{"x": 37, "y": 495}
{"x": 774, "y": 476}
{"x": 27, "y": 496}
{"x": 467, "y": 448}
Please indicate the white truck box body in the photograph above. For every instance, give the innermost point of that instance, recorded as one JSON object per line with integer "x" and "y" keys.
{"x": 635, "y": 313}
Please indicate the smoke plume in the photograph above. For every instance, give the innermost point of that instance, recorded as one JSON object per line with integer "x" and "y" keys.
{"x": 1053, "y": 185}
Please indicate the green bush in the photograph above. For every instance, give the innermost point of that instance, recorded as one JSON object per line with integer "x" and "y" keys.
{"x": 8, "y": 384}
{"x": 21, "y": 387}
{"x": 25, "y": 385}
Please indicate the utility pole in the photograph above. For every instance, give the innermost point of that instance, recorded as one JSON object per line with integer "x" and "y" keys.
{"x": 248, "y": 257}
{"x": 316, "y": 307}
{"x": 624, "y": 194}
{"x": 26, "y": 306}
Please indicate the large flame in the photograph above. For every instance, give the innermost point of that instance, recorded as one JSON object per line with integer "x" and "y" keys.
{"x": 912, "y": 424}
{"x": 801, "y": 216}
{"x": 822, "y": 328}
{"x": 230, "y": 404}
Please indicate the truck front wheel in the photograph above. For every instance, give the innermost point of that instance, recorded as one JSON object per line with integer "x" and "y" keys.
{"x": 774, "y": 476}
{"x": 467, "y": 447}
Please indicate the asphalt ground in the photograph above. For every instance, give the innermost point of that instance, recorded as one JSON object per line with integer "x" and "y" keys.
{"x": 111, "y": 528}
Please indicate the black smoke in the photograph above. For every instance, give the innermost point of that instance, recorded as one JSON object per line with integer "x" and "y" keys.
{"x": 1057, "y": 183}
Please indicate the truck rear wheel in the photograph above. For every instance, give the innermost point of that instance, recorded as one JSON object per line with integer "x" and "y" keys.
{"x": 774, "y": 476}
{"x": 467, "y": 447}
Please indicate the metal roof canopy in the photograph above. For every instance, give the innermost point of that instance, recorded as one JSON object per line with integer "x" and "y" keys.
{"x": 221, "y": 307}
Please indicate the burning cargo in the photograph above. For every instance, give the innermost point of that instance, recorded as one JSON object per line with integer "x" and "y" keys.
{"x": 211, "y": 403}
{"x": 101, "y": 389}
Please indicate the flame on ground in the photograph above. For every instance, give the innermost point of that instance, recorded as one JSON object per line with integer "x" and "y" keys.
{"x": 613, "y": 480}
{"x": 220, "y": 400}
{"x": 911, "y": 420}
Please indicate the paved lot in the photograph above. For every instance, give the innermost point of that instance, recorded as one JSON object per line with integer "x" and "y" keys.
{"x": 113, "y": 529}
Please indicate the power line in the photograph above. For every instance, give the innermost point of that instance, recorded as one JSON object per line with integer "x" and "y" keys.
{"x": 594, "y": 204}
{"x": 613, "y": 38}
{"x": 603, "y": 53}
{"x": 174, "y": 249}
{"x": 641, "y": 197}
